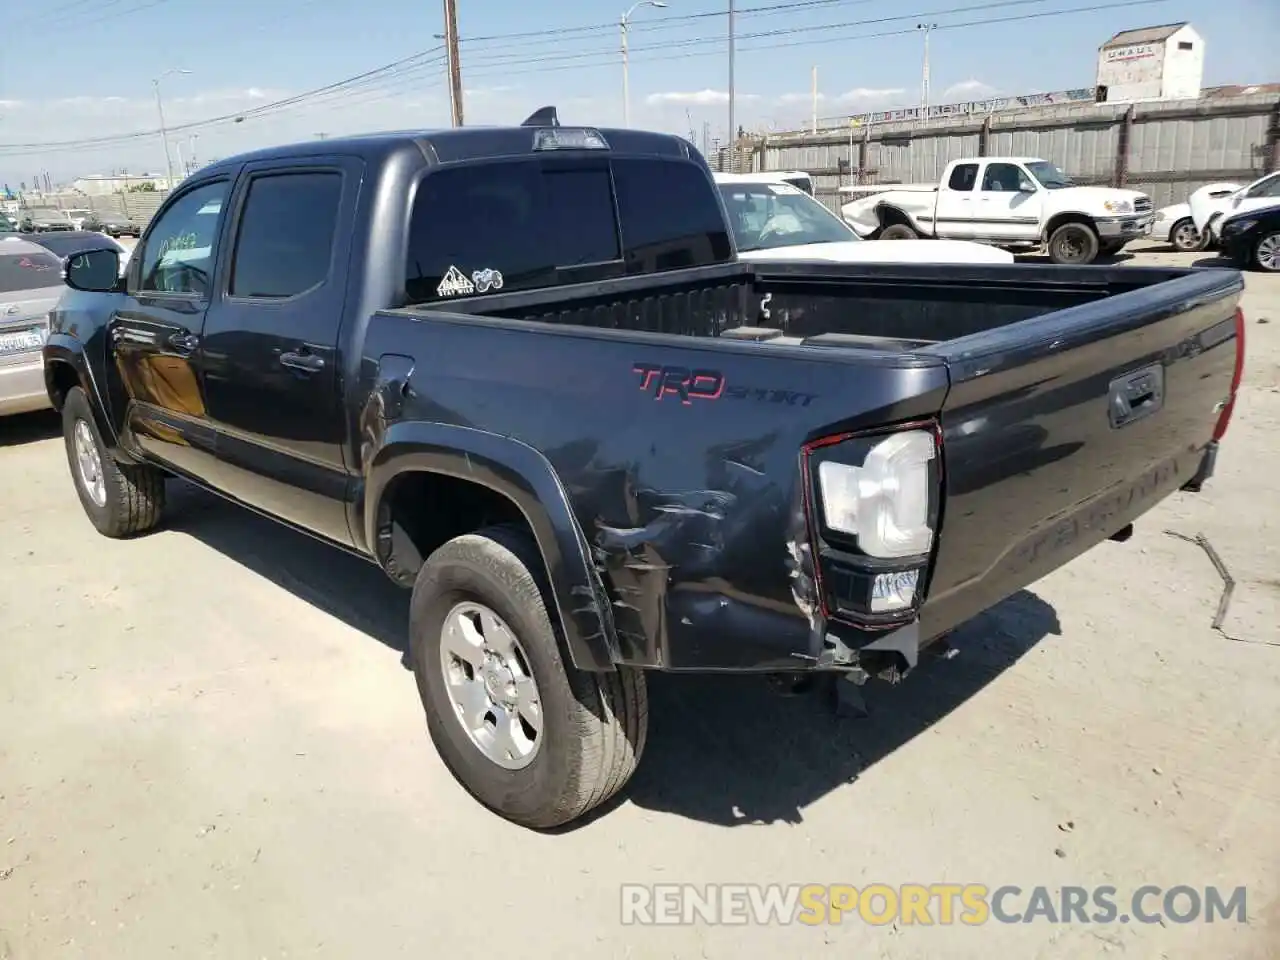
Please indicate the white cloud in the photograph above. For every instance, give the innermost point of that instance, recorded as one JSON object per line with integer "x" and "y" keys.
{"x": 967, "y": 90}
{"x": 790, "y": 98}
{"x": 699, "y": 98}
{"x": 871, "y": 94}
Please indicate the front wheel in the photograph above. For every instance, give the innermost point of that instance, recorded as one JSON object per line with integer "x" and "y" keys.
{"x": 1266, "y": 253}
{"x": 898, "y": 231}
{"x": 527, "y": 734}
{"x": 1073, "y": 244}
{"x": 120, "y": 499}
{"x": 1185, "y": 238}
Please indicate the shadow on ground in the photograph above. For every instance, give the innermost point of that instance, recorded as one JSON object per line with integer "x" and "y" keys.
{"x": 29, "y": 428}
{"x": 725, "y": 750}
{"x": 1216, "y": 260}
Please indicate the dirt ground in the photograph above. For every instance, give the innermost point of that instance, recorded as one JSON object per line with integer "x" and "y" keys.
{"x": 209, "y": 747}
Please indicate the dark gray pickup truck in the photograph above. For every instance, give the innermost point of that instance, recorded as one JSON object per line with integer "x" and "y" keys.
{"x": 522, "y": 370}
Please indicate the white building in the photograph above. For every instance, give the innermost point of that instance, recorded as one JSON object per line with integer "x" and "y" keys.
{"x": 1154, "y": 63}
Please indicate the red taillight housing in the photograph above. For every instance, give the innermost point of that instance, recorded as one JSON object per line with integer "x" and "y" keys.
{"x": 1224, "y": 418}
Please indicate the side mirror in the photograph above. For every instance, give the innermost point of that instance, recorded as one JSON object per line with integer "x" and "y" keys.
{"x": 93, "y": 271}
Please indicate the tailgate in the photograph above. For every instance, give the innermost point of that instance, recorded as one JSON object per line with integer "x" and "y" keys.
{"x": 1060, "y": 430}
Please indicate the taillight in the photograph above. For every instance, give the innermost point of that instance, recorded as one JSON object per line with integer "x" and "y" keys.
{"x": 1224, "y": 418}
{"x": 873, "y": 503}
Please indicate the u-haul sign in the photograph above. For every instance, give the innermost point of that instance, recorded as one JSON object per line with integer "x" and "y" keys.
{"x": 1138, "y": 51}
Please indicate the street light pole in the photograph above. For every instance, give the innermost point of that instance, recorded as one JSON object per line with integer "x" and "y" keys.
{"x": 928, "y": 28}
{"x": 164, "y": 134}
{"x": 625, "y": 23}
{"x": 733, "y": 131}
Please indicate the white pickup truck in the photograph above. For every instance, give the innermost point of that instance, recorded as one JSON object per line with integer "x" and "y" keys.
{"x": 1018, "y": 203}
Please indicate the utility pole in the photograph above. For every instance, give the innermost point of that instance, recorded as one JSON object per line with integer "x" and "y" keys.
{"x": 928, "y": 28}
{"x": 164, "y": 134}
{"x": 322, "y": 136}
{"x": 625, "y": 24}
{"x": 815, "y": 100}
{"x": 733, "y": 130}
{"x": 455, "y": 68}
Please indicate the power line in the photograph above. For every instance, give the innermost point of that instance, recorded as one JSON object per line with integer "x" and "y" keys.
{"x": 339, "y": 94}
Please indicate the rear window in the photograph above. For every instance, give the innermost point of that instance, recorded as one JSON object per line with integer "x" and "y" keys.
{"x": 29, "y": 271}
{"x": 671, "y": 217}
{"x": 524, "y": 224}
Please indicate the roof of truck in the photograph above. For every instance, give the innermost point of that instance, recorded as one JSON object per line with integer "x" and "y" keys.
{"x": 452, "y": 145}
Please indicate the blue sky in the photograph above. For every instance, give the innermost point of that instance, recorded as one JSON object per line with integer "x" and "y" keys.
{"x": 243, "y": 54}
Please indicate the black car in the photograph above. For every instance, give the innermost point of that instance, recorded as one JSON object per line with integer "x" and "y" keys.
{"x": 63, "y": 244}
{"x": 112, "y": 224}
{"x": 1252, "y": 240}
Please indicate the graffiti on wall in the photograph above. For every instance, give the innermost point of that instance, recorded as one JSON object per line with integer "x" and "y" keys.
{"x": 993, "y": 105}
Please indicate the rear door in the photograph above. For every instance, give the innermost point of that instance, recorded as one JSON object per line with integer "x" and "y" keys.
{"x": 1059, "y": 430}
{"x": 154, "y": 337}
{"x": 270, "y": 342}
{"x": 954, "y": 211}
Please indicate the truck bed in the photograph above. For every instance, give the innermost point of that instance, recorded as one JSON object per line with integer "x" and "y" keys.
{"x": 1019, "y": 367}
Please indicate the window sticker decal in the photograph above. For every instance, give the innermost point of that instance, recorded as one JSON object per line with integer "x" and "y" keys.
{"x": 486, "y": 280}
{"x": 455, "y": 284}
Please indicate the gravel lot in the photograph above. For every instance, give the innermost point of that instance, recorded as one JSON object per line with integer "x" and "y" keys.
{"x": 210, "y": 748}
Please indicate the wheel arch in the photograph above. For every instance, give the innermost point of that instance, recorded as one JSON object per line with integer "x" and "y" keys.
{"x": 66, "y": 366}
{"x": 1069, "y": 216}
{"x": 486, "y": 478}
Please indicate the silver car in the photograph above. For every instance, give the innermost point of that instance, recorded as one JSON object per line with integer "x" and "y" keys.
{"x": 30, "y": 285}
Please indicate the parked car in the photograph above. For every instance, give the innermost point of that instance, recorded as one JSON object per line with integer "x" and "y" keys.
{"x": 30, "y": 284}
{"x": 635, "y": 451}
{"x": 63, "y": 244}
{"x": 77, "y": 216}
{"x": 1175, "y": 226}
{"x": 795, "y": 178}
{"x": 112, "y": 224}
{"x": 7, "y": 225}
{"x": 1020, "y": 203}
{"x": 1252, "y": 239}
{"x": 773, "y": 220}
{"x": 42, "y": 221}
{"x": 1209, "y": 211}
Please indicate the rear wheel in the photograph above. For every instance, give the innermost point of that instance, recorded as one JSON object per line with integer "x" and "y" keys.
{"x": 1266, "y": 253}
{"x": 526, "y": 733}
{"x": 119, "y": 499}
{"x": 1073, "y": 244}
{"x": 1185, "y": 238}
{"x": 898, "y": 231}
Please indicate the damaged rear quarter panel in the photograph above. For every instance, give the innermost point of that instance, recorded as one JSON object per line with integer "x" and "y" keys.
{"x": 687, "y": 499}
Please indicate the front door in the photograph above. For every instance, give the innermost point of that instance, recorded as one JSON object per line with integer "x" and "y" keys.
{"x": 271, "y": 356}
{"x": 155, "y": 335}
{"x": 1007, "y": 205}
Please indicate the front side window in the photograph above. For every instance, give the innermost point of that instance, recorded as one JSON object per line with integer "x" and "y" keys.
{"x": 178, "y": 257}
{"x": 1005, "y": 178}
{"x": 285, "y": 241}
{"x": 670, "y": 218}
{"x": 768, "y": 215}
{"x": 29, "y": 271}
{"x": 507, "y": 226}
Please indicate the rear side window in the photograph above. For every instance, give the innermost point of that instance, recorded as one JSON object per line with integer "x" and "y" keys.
{"x": 963, "y": 176}
{"x": 508, "y": 226}
{"x": 29, "y": 271}
{"x": 670, "y": 215}
{"x": 285, "y": 240}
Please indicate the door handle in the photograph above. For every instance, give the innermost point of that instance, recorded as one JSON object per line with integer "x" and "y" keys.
{"x": 183, "y": 342}
{"x": 308, "y": 362}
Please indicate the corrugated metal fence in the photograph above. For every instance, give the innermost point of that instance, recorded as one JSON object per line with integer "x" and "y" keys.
{"x": 1165, "y": 149}
{"x": 140, "y": 206}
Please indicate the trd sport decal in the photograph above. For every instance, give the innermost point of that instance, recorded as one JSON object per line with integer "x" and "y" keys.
{"x": 688, "y": 385}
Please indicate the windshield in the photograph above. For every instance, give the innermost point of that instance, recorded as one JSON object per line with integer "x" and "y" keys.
{"x": 768, "y": 215}
{"x": 29, "y": 271}
{"x": 1050, "y": 177}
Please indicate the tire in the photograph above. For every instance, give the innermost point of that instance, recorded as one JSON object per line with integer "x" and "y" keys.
{"x": 1073, "y": 244}
{"x": 898, "y": 231}
{"x": 593, "y": 725}
{"x": 130, "y": 499}
{"x": 1266, "y": 253}
{"x": 1185, "y": 238}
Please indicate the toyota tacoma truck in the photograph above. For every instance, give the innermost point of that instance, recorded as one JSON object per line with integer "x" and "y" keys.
{"x": 522, "y": 371}
{"x": 1018, "y": 203}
